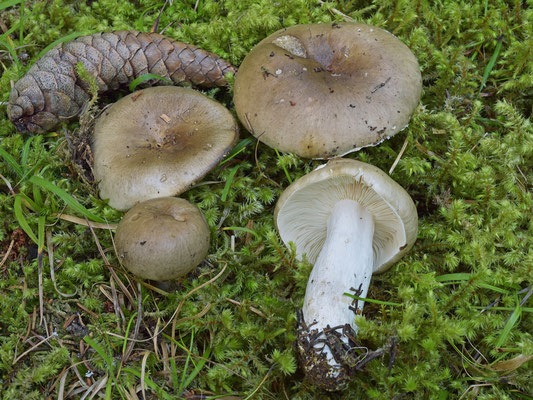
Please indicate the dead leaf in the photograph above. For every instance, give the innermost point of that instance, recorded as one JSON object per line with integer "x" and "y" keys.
{"x": 512, "y": 364}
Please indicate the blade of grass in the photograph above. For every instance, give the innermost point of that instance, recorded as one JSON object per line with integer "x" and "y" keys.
{"x": 239, "y": 148}
{"x": 197, "y": 369}
{"x": 521, "y": 395}
{"x": 385, "y": 303}
{"x": 511, "y": 322}
{"x": 146, "y": 77}
{"x": 21, "y": 219}
{"x": 239, "y": 228}
{"x": 498, "y": 359}
{"x": 37, "y": 196}
{"x": 41, "y": 222}
{"x": 493, "y": 288}
{"x": 472, "y": 44}
{"x": 108, "y": 361}
{"x": 7, "y": 43}
{"x": 29, "y": 203}
{"x": 127, "y": 333}
{"x": 71, "y": 202}
{"x": 21, "y": 32}
{"x": 228, "y": 183}
{"x": 151, "y": 384}
{"x": 202, "y": 360}
{"x": 491, "y": 63}
{"x": 101, "y": 352}
{"x": 8, "y": 3}
{"x": 467, "y": 277}
{"x": 174, "y": 375}
{"x": 33, "y": 169}
{"x": 453, "y": 277}
{"x": 260, "y": 384}
{"x": 283, "y": 166}
{"x": 11, "y": 162}
{"x": 108, "y": 389}
{"x": 187, "y": 359}
{"x": 139, "y": 24}
{"x": 111, "y": 369}
{"x": 10, "y": 30}
{"x": 471, "y": 362}
{"x": 524, "y": 309}
{"x": 63, "y": 39}
{"x": 26, "y": 153}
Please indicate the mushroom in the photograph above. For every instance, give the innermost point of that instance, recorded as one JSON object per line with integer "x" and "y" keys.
{"x": 159, "y": 142}
{"x": 324, "y": 90}
{"x": 351, "y": 220}
{"x": 162, "y": 239}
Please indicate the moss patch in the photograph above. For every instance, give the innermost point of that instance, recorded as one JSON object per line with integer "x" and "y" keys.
{"x": 467, "y": 163}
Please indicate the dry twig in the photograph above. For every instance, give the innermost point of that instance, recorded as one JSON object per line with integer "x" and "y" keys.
{"x": 4, "y": 259}
{"x": 400, "y": 154}
{"x": 83, "y": 222}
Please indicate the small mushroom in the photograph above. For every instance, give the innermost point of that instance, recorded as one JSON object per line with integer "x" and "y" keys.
{"x": 159, "y": 142}
{"x": 324, "y": 90}
{"x": 351, "y": 220}
{"x": 162, "y": 239}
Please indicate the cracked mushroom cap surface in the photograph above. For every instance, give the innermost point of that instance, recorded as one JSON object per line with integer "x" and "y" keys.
{"x": 159, "y": 142}
{"x": 162, "y": 239}
{"x": 302, "y": 211}
{"x": 324, "y": 90}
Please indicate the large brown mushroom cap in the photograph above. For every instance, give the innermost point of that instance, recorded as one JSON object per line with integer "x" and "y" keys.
{"x": 325, "y": 90}
{"x": 158, "y": 142}
{"x": 162, "y": 239}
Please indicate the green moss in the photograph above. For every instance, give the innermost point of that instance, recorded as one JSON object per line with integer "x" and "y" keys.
{"x": 468, "y": 165}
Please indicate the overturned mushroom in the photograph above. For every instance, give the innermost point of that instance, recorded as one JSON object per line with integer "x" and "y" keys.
{"x": 325, "y": 90}
{"x": 158, "y": 142}
{"x": 351, "y": 220}
{"x": 162, "y": 239}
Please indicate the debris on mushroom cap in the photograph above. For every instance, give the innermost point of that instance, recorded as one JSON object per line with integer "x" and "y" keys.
{"x": 323, "y": 90}
{"x": 162, "y": 239}
{"x": 303, "y": 209}
{"x": 159, "y": 142}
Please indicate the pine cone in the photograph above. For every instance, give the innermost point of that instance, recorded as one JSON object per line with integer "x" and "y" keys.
{"x": 52, "y": 92}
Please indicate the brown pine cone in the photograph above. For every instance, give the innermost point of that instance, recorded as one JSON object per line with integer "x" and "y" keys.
{"x": 52, "y": 92}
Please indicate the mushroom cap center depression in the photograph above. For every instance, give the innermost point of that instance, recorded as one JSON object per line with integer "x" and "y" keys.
{"x": 162, "y": 141}
{"x": 158, "y": 142}
{"x": 325, "y": 90}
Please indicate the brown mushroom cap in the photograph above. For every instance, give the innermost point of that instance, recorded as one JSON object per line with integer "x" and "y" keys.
{"x": 324, "y": 90}
{"x": 303, "y": 209}
{"x": 158, "y": 142}
{"x": 162, "y": 239}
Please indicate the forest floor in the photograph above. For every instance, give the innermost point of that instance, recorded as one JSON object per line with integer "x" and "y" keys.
{"x": 458, "y": 306}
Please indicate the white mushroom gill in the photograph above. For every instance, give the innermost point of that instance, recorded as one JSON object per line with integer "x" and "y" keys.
{"x": 304, "y": 218}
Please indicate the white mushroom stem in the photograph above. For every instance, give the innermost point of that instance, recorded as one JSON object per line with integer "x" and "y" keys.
{"x": 345, "y": 261}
